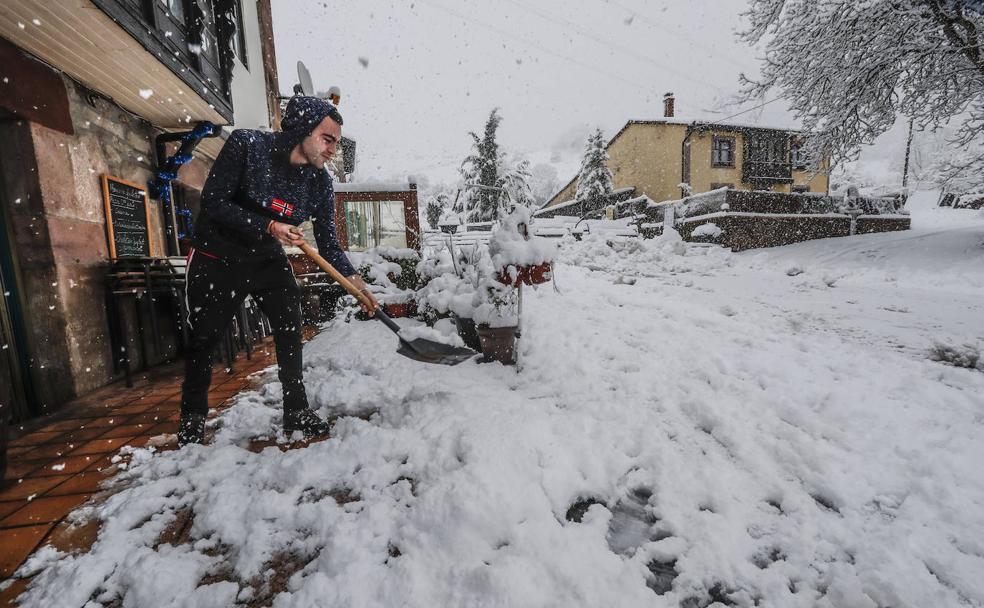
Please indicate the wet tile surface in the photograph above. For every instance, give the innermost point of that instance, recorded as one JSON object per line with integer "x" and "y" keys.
{"x": 59, "y": 462}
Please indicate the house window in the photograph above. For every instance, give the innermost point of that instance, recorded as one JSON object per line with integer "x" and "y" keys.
{"x": 210, "y": 43}
{"x": 798, "y": 156}
{"x": 176, "y": 8}
{"x": 239, "y": 40}
{"x": 375, "y": 223}
{"x": 767, "y": 150}
{"x": 723, "y": 152}
{"x": 799, "y": 189}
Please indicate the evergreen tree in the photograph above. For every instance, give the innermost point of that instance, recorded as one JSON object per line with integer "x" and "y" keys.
{"x": 517, "y": 183}
{"x": 436, "y": 205}
{"x": 594, "y": 183}
{"x": 482, "y": 167}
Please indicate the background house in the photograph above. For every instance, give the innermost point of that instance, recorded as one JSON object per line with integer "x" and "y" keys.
{"x": 656, "y": 156}
{"x": 85, "y": 87}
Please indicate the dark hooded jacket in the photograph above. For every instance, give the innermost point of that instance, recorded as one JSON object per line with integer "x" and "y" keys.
{"x": 253, "y": 182}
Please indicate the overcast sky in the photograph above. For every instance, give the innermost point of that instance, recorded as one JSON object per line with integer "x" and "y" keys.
{"x": 417, "y": 75}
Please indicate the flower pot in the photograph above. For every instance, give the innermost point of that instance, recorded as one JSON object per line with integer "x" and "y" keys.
{"x": 541, "y": 273}
{"x": 467, "y": 332}
{"x": 401, "y": 309}
{"x": 498, "y": 343}
{"x": 530, "y": 275}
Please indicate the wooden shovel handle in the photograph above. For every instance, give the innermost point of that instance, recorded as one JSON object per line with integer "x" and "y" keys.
{"x": 344, "y": 282}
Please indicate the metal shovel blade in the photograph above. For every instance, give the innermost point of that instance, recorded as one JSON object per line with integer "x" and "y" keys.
{"x": 429, "y": 351}
{"x": 424, "y": 350}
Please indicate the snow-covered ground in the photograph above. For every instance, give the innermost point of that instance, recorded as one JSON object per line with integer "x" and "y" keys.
{"x": 757, "y": 429}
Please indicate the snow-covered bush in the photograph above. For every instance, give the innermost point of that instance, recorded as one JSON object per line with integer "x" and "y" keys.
{"x": 451, "y": 284}
{"x": 957, "y": 355}
{"x": 390, "y": 273}
{"x": 468, "y": 286}
{"x": 710, "y": 230}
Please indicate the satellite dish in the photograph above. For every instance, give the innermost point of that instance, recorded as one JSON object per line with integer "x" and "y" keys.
{"x": 304, "y": 78}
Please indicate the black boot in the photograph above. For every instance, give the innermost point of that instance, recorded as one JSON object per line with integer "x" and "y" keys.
{"x": 306, "y": 421}
{"x": 191, "y": 429}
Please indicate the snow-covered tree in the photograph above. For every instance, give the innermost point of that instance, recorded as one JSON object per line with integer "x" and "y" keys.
{"x": 850, "y": 68}
{"x": 594, "y": 182}
{"x": 482, "y": 167}
{"x": 435, "y": 207}
{"x": 516, "y": 181}
{"x": 960, "y": 170}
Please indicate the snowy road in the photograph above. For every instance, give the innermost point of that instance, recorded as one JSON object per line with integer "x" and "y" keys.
{"x": 757, "y": 429}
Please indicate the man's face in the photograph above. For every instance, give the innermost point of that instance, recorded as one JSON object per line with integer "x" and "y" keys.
{"x": 319, "y": 147}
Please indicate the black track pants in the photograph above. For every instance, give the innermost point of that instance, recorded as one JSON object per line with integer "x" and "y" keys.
{"x": 216, "y": 288}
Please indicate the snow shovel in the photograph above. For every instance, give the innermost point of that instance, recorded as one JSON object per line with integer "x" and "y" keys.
{"x": 419, "y": 349}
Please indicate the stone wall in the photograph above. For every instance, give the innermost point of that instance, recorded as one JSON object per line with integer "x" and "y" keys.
{"x": 45, "y": 329}
{"x": 60, "y": 241}
{"x": 751, "y": 231}
{"x": 107, "y": 140}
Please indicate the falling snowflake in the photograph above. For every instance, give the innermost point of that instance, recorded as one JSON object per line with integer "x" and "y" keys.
{"x": 146, "y": 93}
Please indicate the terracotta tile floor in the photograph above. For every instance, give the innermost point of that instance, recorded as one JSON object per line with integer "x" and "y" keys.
{"x": 58, "y": 462}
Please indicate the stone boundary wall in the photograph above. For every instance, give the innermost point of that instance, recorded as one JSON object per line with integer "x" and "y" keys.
{"x": 742, "y": 230}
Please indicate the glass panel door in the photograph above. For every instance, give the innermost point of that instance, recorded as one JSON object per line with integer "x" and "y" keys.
{"x": 360, "y": 224}
{"x": 392, "y": 224}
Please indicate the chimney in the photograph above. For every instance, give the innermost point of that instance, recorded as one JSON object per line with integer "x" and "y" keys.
{"x": 668, "y": 105}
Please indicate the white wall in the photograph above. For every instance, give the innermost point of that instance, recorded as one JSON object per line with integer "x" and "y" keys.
{"x": 248, "y": 86}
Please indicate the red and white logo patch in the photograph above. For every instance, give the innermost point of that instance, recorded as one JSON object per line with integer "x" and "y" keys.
{"x": 282, "y": 207}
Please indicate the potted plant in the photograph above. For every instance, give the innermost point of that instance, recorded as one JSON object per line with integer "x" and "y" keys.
{"x": 450, "y": 290}
{"x": 497, "y": 318}
{"x": 521, "y": 258}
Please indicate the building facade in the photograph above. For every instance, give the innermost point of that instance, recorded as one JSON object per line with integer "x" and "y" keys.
{"x": 86, "y": 87}
{"x": 656, "y": 156}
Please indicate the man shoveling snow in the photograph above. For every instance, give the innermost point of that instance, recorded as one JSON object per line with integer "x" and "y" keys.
{"x": 261, "y": 187}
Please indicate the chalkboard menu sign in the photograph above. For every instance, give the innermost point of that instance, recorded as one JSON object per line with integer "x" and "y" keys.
{"x": 127, "y": 218}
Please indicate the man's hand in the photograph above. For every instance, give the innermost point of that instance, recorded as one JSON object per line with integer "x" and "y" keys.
{"x": 285, "y": 233}
{"x": 359, "y": 284}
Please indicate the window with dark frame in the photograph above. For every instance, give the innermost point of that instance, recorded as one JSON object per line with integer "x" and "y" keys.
{"x": 800, "y": 189}
{"x": 176, "y": 8}
{"x": 197, "y": 37}
{"x": 798, "y": 156}
{"x": 239, "y": 40}
{"x": 723, "y": 152}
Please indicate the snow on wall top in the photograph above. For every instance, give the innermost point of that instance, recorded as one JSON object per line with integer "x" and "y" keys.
{"x": 373, "y": 187}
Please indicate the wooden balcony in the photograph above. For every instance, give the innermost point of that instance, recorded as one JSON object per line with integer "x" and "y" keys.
{"x": 767, "y": 172}
{"x": 80, "y": 39}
